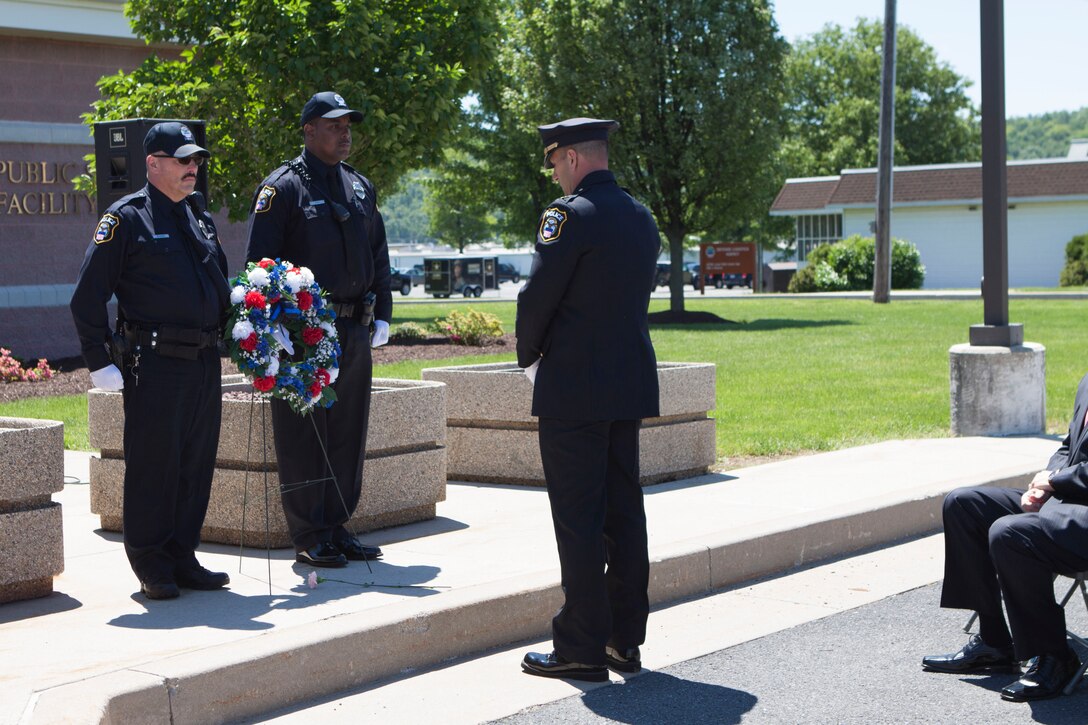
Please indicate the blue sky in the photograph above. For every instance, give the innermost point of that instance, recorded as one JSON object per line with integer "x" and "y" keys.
{"x": 1044, "y": 42}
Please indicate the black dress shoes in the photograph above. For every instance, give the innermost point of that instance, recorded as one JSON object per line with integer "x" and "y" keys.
{"x": 623, "y": 660}
{"x": 201, "y": 578}
{"x": 160, "y": 590}
{"x": 355, "y": 550}
{"x": 1046, "y": 676}
{"x": 976, "y": 656}
{"x": 554, "y": 665}
{"x": 322, "y": 554}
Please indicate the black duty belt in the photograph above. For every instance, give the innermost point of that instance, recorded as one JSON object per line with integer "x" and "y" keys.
{"x": 169, "y": 341}
{"x": 359, "y": 311}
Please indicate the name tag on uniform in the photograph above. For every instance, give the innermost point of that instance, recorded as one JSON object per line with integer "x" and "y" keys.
{"x": 160, "y": 236}
{"x": 317, "y": 202}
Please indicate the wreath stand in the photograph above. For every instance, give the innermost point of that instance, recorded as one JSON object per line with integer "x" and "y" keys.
{"x": 256, "y": 400}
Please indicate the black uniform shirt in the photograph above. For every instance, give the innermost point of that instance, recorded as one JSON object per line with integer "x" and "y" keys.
{"x": 583, "y": 312}
{"x": 293, "y": 219}
{"x": 139, "y": 253}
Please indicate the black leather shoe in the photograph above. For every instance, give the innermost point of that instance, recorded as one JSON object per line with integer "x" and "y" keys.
{"x": 623, "y": 660}
{"x": 355, "y": 550}
{"x": 554, "y": 665}
{"x": 201, "y": 578}
{"x": 160, "y": 590}
{"x": 1046, "y": 676}
{"x": 976, "y": 656}
{"x": 323, "y": 554}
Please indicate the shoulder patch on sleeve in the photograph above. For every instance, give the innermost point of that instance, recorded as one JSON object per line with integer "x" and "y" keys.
{"x": 551, "y": 225}
{"x": 264, "y": 199}
{"x": 106, "y": 226}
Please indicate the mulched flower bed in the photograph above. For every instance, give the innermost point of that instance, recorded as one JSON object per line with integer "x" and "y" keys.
{"x": 72, "y": 378}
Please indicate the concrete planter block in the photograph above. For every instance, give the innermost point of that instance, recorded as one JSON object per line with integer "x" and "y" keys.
{"x": 997, "y": 391}
{"x": 492, "y": 434}
{"x": 404, "y": 475}
{"x": 31, "y": 529}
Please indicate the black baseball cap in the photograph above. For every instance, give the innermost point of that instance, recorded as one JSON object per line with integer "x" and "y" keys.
{"x": 328, "y": 105}
{"x": 572, "y": 131}
{"x": 173, "y": 139}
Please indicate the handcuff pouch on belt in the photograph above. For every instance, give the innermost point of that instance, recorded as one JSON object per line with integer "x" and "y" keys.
{"x": 362, "y": 312}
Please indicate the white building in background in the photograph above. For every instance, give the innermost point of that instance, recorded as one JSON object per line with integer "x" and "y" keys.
{"x": 939, "y": 209}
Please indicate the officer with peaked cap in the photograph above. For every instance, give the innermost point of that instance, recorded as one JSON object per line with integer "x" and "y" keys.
{"x": 318, "y": 212}
{"x": 595, "y": 378}
{"x": 157, "y": 250}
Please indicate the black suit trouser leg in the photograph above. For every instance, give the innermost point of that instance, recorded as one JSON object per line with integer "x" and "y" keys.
{"x": 172, "y": 420}
{"x": 320, "y": 455}
{"x": 591, "y": 469}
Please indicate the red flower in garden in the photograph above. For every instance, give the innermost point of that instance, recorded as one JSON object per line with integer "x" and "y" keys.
{"x": 305, "y": 300}
{"x": 255, "y": 299}
{"x": 249, "y": 344}
{"x": 266, "y": 263}
{"x": 312, "y": 335}
{"x": 264, "y": 384}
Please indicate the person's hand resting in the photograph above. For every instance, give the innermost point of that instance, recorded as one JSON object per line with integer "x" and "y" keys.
{"x": 1038, "y": 492}
{"x": 381, "y": 333}
{"x": 108, "y": 378}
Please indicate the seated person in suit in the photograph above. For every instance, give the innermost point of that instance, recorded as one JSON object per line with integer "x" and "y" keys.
{"x": 1007, "y": 544}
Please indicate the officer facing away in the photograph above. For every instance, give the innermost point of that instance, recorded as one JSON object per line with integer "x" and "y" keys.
{"x": 157, "y": 250}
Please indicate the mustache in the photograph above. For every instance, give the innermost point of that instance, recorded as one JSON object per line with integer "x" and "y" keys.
{"x": 189, "y": 176}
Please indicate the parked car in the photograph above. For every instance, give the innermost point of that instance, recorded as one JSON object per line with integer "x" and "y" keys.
{"x": 508, "y": 273}
{"x": 664, "y": 274}
{"x": 720, "y": 280}
{"x": 416, "y": 273}
{"x": 400, "y": 280}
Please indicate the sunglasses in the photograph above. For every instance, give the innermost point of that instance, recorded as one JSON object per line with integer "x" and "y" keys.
{"x": 195, "y": 159}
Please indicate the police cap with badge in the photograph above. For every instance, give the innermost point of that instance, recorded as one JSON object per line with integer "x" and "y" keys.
{"x": 173, "y": 139}
{"x": 328, "y": 105}
{"x": 572, "y": 131}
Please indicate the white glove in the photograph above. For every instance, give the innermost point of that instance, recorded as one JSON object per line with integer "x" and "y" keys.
{"x": 530, "y": 372}
{"x": 108, "y": 378}
{"x": 381, "y": 333}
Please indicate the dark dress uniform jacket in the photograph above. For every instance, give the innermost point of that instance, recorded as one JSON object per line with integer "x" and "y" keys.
{"x": 1070, "y": 462}
{"x": 583, "y": 312}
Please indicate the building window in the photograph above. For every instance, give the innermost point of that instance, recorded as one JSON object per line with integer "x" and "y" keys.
{"x": 814, "y": 230}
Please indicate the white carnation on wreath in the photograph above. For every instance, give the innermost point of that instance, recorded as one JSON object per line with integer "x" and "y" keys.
{"x": 274, "y": 294}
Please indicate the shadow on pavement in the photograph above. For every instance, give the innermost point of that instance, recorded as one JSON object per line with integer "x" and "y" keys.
{"x": 656, "y": 697}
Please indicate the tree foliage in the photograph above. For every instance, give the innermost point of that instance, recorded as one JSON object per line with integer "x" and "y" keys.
{"x": 250, "y": 67}
{"x": 1075, "y": 271}
{"x": 457, "y": 218}
{"x": 1045, "y": 136}
{"x": 695, "y": 84}
{"x": 849, "y": 265}
{"x": 833, "y": 80}
{"x": 405, "y": 220}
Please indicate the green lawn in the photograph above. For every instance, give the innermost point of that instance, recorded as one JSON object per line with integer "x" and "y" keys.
{"x": 795, "y": 374}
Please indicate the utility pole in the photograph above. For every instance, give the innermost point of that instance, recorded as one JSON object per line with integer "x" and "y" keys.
{"x": 882, "y": 258}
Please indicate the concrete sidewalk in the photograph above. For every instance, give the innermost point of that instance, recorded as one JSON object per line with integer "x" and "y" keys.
{"x": 484, "y": 574}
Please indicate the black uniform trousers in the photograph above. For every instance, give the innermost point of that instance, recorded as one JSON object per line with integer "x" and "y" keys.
{"x": 319, "y": 500}
{"x": 994, "y": 550}
{"x": 592, "y": 475}
{"x": 172, "y": 418}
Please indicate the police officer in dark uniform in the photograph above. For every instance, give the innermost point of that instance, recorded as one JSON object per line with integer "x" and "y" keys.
{"x": 318, "y": 212}
{"x": 159, "y": 252}
{"x": 582, "y": 334}
{"x": 1002, "y": 544}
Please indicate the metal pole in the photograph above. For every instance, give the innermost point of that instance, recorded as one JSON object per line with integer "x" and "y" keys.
{"x": 882, "y": 261}
{"x": 996, "y": 329}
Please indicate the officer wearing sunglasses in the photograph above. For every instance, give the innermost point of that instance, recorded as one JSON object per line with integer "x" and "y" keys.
{"x": 157, "y": 250}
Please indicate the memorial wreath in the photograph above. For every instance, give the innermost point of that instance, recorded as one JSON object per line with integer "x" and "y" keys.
{"x": 276, "y": 309}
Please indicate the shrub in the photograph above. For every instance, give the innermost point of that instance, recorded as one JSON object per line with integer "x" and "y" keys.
{"x": 409, "y": 331}
{"x": 1075, "y": 271}
{"x": 12, "y": 371}
{"x": 848, "y": 265}
{"x": 471, "y": 328}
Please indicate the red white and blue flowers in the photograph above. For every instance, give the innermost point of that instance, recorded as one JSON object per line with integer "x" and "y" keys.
{"x": 281, "y": 334}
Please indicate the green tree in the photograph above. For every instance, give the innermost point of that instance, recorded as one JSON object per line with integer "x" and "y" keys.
{"x": 406, "y": 221}
{"x": 695, "y": 84}
{"x": 250, "y": 67}
{"x": 1047, "y": 135}
{"x": 456, "y": 218}
{"x": 833, "y": 81}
